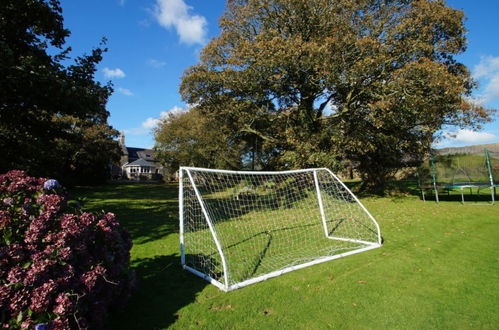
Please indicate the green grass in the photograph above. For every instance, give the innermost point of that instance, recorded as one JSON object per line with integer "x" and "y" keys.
{"x": 438, "y": 269}
{"x": 259, "y": 238}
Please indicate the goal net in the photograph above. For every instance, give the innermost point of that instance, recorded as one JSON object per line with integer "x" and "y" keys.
{"x": 239, "y": 228}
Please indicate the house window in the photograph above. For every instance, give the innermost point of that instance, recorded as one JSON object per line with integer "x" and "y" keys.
{"x": 145, "y": 170}
{"x": 135, "y": 169}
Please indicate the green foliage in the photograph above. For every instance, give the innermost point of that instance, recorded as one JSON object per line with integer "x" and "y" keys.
{"x": 191, "y": 139}
{"x": 436, "y": 269}
{"x": 53, "y": 120}
{"x": 318, "y": 82}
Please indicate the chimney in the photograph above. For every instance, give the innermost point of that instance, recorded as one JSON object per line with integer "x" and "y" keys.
{"x": 122, "y": 138}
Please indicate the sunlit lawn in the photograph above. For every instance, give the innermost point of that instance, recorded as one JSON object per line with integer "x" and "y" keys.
{"x": 438, "y": 268}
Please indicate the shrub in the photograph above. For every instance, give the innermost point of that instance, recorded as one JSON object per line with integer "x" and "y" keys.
{"x": 59, "y": 268}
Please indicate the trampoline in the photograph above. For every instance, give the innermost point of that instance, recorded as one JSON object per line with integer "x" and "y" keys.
{"x": 444, "y": 173}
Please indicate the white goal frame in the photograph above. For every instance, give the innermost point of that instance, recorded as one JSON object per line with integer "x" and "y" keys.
{"x": 185, "y": 172}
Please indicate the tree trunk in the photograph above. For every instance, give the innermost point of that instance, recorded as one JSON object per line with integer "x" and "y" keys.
{"x": 374, "y": 178}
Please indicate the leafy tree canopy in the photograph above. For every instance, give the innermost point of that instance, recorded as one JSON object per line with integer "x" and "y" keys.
{"x": 191, "y": 139}
{"x": 50, "y": 112}
{"x": 368, "y": 81}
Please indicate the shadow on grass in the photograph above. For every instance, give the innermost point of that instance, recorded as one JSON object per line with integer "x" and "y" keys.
{"x": 148, "y": 212}
{"x": 163, "y": 288}
{"x": 482, "y": 197}
{"x": 393, "y": 189}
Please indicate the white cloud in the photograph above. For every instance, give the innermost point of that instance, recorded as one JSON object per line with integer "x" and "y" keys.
{"x": 488, "y": 71}
{"x": 136, "y": 131}
{"x": 475, "y": 100}
{"x": 124, "y": 91}
{"x": 466, "y": 136}
{"x": 491, "y": 92}
{"x": 191, "y": 29}
{"x": 155, "y": 63}
{"x": 113, "y": 73}
{"x": 151, "y": 122}
{"x": 487, "y": 67}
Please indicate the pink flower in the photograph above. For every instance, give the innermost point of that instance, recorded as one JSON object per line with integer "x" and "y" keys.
{"x": 41, "y": 296}
{"x": 38, "y": 271}
{"x": 64, "y": 305}
{"x": 49, "y": 251}
{"x": 87, "y": 218}
{"x": 70, "y": 223}
{"x": 19, "y": 301}
{"x": 16, "y": 274}
{"x": 16, "y": 253}
{"x": 65, "y": 254}
{"x": 5, "y": 293}
{"x": 37, "y": 229}
{"x": 51, "y": 203}
{"x": 103, "y": 224}
{"x": 27, "y": 324}
{"x": 90, "y": 278}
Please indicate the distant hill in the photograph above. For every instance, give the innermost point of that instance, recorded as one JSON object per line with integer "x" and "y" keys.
{"x": 493, "y": 147}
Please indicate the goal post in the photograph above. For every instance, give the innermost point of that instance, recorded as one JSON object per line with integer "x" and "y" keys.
{"x": 243, "y": 227}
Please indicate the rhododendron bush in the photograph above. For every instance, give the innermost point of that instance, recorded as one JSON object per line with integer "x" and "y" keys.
{"x": 59, "y": 268}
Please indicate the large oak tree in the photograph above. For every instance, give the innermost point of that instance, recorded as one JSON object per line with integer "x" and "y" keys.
{"x": 315, "y": 82}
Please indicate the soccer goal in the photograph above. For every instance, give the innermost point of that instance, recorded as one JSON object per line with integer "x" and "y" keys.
{"x": 241, "y": 227}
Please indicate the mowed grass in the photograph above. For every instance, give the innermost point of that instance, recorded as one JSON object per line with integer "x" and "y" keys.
{"x": 438, "y": 269}
{"x": 258, "y": 237}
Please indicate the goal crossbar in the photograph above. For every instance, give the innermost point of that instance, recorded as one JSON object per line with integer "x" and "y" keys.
{"x": 203, "y": 249}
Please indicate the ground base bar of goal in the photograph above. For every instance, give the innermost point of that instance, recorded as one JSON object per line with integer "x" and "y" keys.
{"x": 206, "y": 277}
{"x": 292, "y": 268}
{"x": 350, "y": 240}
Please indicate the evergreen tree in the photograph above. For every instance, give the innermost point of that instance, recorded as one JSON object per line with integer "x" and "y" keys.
{"x": 49, "y": 112}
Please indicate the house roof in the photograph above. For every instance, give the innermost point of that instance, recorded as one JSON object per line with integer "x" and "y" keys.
{"x": 147, "y": 154}
{"x": 140, "y": 162}
{"x": 136, "y": 153}
{"x": 133, "y": 152}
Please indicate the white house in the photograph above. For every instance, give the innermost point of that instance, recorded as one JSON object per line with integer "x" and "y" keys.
{"x": 139, "y": 163}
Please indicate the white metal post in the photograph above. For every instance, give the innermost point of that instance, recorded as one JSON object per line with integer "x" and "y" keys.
{"x": 212, "y": 228}
{"x": 200, "y": 169}
{"x": 360, "y": 204}
{"x": 491, "y": 178}
{"x": 321, "y": 207}
{"x": 434, "y": 178}
{"x": 181, "y": 214}
{"x": 300, "y": 266}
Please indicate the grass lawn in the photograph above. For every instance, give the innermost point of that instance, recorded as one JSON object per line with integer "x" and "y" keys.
{"x": 438, "y": 268}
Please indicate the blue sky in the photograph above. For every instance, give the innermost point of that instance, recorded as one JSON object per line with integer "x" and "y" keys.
{"x": 151, "y": 43}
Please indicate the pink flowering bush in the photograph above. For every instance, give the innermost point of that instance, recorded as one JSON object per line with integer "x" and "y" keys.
{"x": 58, "y": 270}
